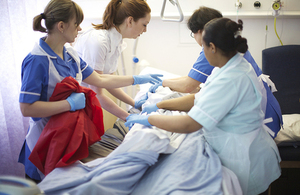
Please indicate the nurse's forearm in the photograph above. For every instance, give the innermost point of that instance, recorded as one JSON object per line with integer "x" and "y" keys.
{"x": 183, "y": 84}
{"x": 184, "y": 103}
{"x": 177, "y": 124}
{"x": 121, "y": 95}
{"x": 108, "y": 81}
{"x": 110, "y": 106}
{"x": 44, "y": 109}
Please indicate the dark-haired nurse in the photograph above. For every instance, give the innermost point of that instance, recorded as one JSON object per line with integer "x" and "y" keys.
{"x": 228, "y": 110}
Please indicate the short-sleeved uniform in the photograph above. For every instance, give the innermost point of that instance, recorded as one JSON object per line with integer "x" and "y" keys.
{"x": 101, "y": 48}
{"x": 202, "y": 69}
{"x": 41, "y": 70}
{"x": 229, "y": 109}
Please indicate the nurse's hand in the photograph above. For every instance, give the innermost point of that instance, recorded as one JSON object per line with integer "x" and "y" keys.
{"x": 140, "y": 102}
{"x": 136, "y": 118}
{"x": 150, "y": 108}
{"x": 76, "y": 101}
{"x": 153, "y": 88}
{"x": 146, "y": 78}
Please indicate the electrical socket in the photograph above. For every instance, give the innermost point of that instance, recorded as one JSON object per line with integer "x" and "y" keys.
{"x": 257, "y": 4}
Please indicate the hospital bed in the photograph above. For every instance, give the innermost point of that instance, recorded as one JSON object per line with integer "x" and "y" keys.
{"x": 282, "y": 64}
{"x": 149, "y": 161}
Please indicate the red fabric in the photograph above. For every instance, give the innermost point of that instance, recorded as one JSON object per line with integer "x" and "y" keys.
{"x": 67, "y": 136}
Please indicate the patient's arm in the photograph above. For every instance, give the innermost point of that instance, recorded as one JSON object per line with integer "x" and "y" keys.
{"x": 184, "y": 103}
{"x": 183, "y": 84}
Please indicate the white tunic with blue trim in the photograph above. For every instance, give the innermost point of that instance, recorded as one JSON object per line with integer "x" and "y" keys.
{"x": 42, "y": 69}
{"x": 229, "y": 107}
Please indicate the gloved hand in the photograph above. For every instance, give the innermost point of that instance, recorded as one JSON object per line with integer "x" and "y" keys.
{"x": 76, "y": 101}
{"x": 136, "y": 118}
{"x": 153, "y": 88}
{"x": 146, "y": 78}
{"x": 150, "y": 108}
{"x": 140, "y": 102}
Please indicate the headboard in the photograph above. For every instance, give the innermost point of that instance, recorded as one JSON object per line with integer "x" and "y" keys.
{"x": 282, "y": 64}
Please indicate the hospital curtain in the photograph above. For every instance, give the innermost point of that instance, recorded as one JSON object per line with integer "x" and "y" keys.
{"x": 16, "y": 41}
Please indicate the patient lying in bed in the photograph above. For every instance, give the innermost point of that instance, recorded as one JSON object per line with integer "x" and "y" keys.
{"x": 149, "y": 161}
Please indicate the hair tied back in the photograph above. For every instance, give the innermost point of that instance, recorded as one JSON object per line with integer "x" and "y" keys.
{"x": 237, "y": 33}
{"x": 43, "y": 16}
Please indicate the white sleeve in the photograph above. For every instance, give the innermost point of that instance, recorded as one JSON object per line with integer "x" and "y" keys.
{"x": 94, "y": 49}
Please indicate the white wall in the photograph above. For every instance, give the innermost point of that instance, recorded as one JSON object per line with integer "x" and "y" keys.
{"x": 168, "y": 45}
{"x": 162, "y": 45}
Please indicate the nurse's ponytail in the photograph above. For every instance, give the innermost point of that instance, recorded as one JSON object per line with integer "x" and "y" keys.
{"x": 240, "y": 43}
{"x": 225, "y": 34}
{"x": 56, "y": 11}
{"x": 118, "y": 10}
{"x": 37, "y": 26}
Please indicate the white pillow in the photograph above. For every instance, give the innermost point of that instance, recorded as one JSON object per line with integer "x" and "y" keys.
{"x": 290, "y": 132}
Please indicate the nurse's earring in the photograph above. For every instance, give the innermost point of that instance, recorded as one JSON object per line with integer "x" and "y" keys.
{"x": 213, "y": 51}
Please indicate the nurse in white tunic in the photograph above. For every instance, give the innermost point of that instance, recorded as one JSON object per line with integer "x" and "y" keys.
{"x": 228, "y": 109}
{"x": 48, "y": 64}
{"x": 101, "y": 46}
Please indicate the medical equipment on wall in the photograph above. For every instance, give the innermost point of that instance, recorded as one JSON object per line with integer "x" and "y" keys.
{"x": 10, "y": 185}
{"x": 276, "y": 7}
{"x": 135, "y": 60}
{"x": 175, "y": 3}
{"x": 137, "y": 64}
{"x": 238, "y": 5}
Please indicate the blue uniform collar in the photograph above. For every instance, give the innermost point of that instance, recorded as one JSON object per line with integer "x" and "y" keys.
{"x": 50, "y": 52}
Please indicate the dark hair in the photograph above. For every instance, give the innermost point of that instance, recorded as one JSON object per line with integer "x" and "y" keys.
{"x": 56, "y": 11}
{"x": 118, "y": 10}
{"x": 201, "y": 16}
{"x": 225, "y": 35}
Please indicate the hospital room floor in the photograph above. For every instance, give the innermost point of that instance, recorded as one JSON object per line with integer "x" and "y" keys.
{"x": 287, "y": 183}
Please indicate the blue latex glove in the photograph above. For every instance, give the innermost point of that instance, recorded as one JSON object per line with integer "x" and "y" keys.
{"x": 153, "y": 88}
{"x": 150, "y": 108}
{"x": 146, "y": 78}
{"x": 136, "y": 118}
{"x": 76, "y": 101}
{"x": 140, "y": 102}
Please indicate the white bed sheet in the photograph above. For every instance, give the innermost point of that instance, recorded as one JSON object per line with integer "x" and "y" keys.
{"x": 289, "y": 134}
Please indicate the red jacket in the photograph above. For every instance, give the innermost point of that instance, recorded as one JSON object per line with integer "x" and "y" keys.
{"x": 67, "y": 136}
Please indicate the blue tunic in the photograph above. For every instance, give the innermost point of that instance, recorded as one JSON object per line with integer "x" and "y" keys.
{"x": 36, "y": 86}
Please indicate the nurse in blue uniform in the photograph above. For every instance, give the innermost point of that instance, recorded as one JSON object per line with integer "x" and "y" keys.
{"x": 228, "y": 110}
{"x": 48, "y": 64}
{"x": 202, "y": 69}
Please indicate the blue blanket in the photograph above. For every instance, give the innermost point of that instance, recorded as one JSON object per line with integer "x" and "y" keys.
{"x": 192, "y": 169}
